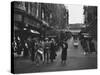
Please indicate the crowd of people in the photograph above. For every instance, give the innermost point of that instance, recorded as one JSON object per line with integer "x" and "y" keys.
{"x": 45, "y": 50}
{"x": 42, "y": 50}
{"x": 88, "y": 44}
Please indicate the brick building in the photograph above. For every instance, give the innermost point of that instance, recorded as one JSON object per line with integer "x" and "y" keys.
{"x": 90, "y": 20}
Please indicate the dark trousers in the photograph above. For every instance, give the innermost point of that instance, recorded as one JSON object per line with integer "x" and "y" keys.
{"x": 46, "y": 55}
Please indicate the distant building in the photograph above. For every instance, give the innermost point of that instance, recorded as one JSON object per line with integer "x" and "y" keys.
{"x": 75, "y": 28}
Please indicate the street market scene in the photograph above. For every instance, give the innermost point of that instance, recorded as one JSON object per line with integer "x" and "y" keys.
{"x": 50, "y": 37}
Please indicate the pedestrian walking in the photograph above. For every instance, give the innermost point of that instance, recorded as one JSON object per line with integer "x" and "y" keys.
{"x": 95, "y": 44}
{"x": 31, "y": 48}
{"x": 52, "y": 50}
{"x": 85, "y": 46}
{"x": 47, "y": 50}
{"x": 40, "y": 52}
{"x": 91, "y": 45}
{"x": 64, "y": 52}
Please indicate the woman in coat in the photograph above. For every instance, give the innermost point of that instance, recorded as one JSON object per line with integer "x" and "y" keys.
{"x": 64, "y": 52}
{"x": 52, "y": 51}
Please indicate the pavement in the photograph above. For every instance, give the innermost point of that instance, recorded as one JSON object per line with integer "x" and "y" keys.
{"x": 76, "y": 60}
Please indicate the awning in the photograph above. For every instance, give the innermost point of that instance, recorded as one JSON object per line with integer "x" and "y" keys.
{"x": 35, "y": 32}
